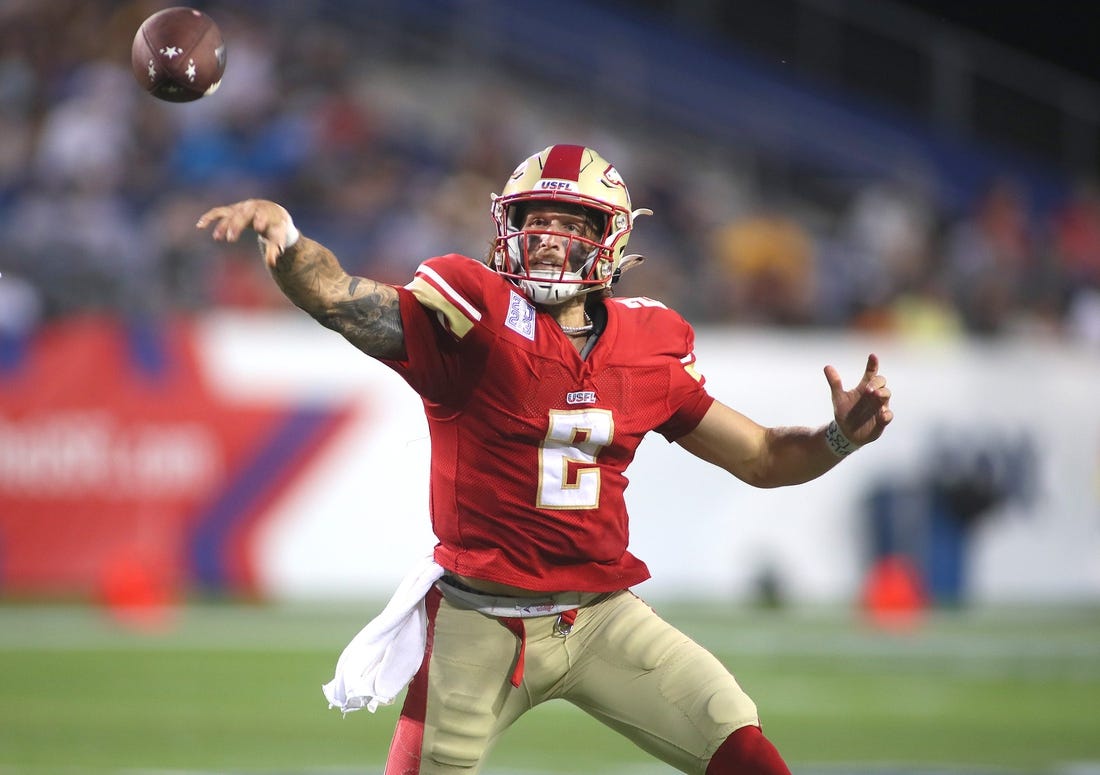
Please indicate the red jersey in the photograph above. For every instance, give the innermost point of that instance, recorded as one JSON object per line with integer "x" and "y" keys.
{"x": 529, "y": 441}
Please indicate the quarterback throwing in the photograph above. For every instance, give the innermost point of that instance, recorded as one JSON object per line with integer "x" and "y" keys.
{"x": 538, "y": 387}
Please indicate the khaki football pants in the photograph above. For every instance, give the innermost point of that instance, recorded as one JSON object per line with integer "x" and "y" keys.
{"x": 620, "y": 662}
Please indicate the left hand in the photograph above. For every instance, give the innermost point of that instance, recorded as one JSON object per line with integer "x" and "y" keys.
{"x": 864, "y": 411}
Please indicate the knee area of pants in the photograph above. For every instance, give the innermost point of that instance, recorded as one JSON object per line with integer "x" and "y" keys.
{"x": 731, "y": 706}
{"x": 456, "y": 750}
{"x": 461, "y": 735}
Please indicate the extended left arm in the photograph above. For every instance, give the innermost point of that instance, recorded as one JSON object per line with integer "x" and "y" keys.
{"x": 775, "y": 457}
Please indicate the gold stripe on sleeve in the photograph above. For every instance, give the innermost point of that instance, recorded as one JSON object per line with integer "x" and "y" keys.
{"x": 452, "y": 316}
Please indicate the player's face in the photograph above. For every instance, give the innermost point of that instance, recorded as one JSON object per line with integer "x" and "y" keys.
{"x": 557, "y": 238}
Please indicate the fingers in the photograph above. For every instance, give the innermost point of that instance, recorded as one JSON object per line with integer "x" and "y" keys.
{"x": 272, "y": 251}
{"x": 228, "y": 221}
{"x": 872, "y": 367}
{"x": 269, "y": 220}
{"x": 217, "y": 216}
{"x": 870, "y": 374}
{"x": 864, "y": 411}
{"x": 873, "y": 383}
{"x": 270, "y": 244}
{"x": 878, "y": 390}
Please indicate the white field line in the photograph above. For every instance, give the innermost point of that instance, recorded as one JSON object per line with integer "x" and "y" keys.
{"x": 229, "y": 628}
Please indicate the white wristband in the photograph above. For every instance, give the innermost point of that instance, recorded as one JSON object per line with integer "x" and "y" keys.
{"x": 292, "y": 233}
{"x": 837, "y": 441}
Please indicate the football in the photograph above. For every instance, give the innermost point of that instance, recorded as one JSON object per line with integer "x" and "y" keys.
{"x": 178, "y": 55}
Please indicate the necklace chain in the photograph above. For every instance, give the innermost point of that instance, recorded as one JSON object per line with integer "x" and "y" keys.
{"x": 578, "y": 330}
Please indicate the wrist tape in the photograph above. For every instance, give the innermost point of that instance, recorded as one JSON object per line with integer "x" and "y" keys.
{"x": 292, "y": 233}
{"x": 838, "y": 443}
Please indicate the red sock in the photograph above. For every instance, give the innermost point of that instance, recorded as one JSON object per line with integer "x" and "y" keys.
{"x": 747, "y": 752}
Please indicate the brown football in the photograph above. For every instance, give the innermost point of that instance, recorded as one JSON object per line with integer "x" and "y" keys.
{"x": 178, "y": 55}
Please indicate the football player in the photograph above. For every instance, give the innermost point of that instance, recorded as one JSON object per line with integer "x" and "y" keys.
{"x": 539, "y": 385}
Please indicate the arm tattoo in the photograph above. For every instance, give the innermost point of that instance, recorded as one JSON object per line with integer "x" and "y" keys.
{"x": 370, "y": 321}
{"x": 365, "y": 312}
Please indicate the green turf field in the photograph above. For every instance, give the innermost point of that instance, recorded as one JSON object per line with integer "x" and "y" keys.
{"x": 236, "y": 689}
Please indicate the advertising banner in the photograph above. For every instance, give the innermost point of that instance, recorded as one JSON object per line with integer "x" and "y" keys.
{"x": 116, "y": 456}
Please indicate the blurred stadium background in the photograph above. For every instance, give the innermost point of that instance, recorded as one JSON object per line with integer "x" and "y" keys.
{"x": 203, "y": 495}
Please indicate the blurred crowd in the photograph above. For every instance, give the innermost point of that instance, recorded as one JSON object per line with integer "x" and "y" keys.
{"x": 388, "y": 153}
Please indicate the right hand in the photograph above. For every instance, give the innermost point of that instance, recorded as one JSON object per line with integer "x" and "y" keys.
{"x": 269, "y": 220}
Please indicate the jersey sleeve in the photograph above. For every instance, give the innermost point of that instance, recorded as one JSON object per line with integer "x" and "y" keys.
{"x": 688, "y": 414}
{"x": 688, "y": 396}
{"x": 452, "y": 288}
{"x": 441, "y": 308}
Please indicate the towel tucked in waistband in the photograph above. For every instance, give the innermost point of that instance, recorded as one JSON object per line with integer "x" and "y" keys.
{"x": 384, "y": 656}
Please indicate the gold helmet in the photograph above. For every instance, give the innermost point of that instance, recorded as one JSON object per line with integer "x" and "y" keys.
{"x": 583, "y": 182}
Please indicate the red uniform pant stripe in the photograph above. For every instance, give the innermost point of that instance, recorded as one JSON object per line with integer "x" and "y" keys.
{"x": 408, "y": 737}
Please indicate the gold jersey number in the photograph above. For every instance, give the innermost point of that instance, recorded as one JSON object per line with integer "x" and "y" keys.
{"x": 569, "y": 477}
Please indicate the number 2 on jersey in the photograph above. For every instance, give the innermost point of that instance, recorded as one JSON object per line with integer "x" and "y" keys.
{"x": 568, "y": 475}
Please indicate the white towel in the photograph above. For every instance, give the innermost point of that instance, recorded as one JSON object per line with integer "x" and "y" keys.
{"x": 381, "y": 660}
